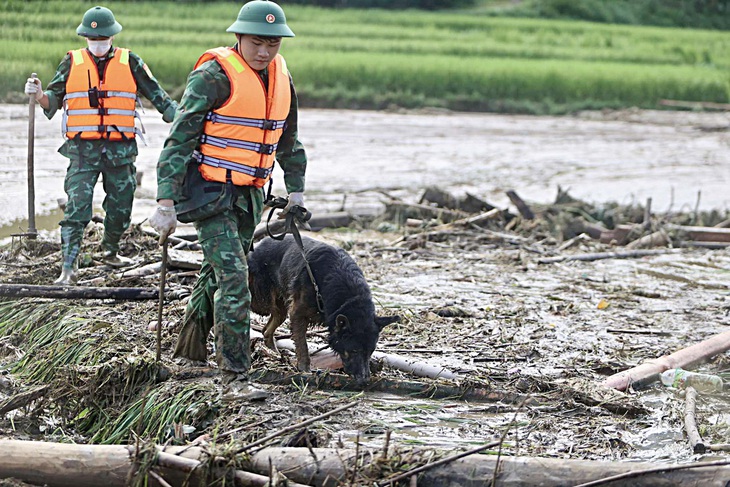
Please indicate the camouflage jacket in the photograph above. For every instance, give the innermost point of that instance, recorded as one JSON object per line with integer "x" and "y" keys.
{"x": 115, "y": 153}
{"x": 208, "y": 88}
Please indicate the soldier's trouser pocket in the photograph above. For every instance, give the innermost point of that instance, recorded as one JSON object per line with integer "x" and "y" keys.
{"x": 203, "y": 199}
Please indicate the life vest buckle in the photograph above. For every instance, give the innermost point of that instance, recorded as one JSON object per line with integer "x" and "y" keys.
{"x": 269, "y": 124}
{"x": 266, "y": 149}
{"x": 261, "y": 173}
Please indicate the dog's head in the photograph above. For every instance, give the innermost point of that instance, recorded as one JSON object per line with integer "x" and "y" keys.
{"x": 354, "y": 339}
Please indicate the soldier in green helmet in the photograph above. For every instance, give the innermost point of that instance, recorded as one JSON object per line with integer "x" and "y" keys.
{"x": 98, "y": 89}
{"x": 237, "y": 116}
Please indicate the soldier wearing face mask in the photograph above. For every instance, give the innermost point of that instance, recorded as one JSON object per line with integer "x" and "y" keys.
{"x": 98, "y": 87}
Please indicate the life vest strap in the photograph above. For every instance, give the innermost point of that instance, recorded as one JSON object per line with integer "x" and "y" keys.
{"x": 223, "y": 142}
{"x": 101, "y": 94}
{"x": 103, "y": 111}
{"x": 103, "y": 128}
{"x": 256, "y": 172}
{"x": 261, "y": 123}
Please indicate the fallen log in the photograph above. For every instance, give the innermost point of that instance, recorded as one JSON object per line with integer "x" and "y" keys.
{"x": 175, "y": 241}
{"x": 607, "y": 255}
{"x": 690, "y": 421}
{"x": 330, "y": 468}
{"x": 412, "y": 210}
{"x": 22, "y": 399}
{"x": 439, "y": 197}
{"x": 522, "y": 207}
{"x": 330, "y": 381}
{"x": 649, "y": 371}
{"x": 76, "y": 292}
{"x": 660, "y": 238}
{"x": 75, "y": 465}
{"x": 472, "y": 204}
{"x": 702, "y": 234}
{"x": 184, "y": 259}
{"x": 689, "y": 235}
{"x": 328, "y": 358}
{"x": 493, "y": 214}
{"x": 145, "y": 270}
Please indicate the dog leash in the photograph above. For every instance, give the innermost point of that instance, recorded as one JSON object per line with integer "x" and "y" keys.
{"x": 295, "y": 215}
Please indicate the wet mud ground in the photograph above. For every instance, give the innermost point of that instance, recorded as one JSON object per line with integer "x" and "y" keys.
{"x": 477, "y": 303}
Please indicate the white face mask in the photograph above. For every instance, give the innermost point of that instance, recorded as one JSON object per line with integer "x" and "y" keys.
{"x": 99, "y": 48}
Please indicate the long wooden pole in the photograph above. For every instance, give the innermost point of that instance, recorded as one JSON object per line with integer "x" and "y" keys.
{"x": 32, "y": 232}
{"x": 684, "y": 358}
{"x": 161, "y": 298}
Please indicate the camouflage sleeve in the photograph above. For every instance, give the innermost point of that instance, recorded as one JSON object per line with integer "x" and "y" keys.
{"x": 290, "y": 153}
{"x": 148, "y": 86}
{"x": 207, "y": 88}
{"x": 56, "y": 88}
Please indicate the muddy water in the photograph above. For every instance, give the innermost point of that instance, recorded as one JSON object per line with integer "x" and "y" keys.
{"x": 543, "y": 321}
{"x": 679, "y": 159}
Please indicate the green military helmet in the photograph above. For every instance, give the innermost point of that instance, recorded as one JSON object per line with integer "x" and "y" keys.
{"x": 98, "y": 22}
{"x": 261, "y": 18}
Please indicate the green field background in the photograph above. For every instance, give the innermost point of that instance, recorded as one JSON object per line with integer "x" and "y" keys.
{"x": 377, "y": 58}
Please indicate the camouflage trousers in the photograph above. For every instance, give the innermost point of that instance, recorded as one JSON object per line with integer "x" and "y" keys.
{"x": 221, "y": 299}
{"x": 119, "y": 186}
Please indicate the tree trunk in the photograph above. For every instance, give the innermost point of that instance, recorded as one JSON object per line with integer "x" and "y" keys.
{"x": 76, "y": 292}
{"x": 406, "y": 388}
{"x": 331, "y": 467}
{"x": 74, "y": 465}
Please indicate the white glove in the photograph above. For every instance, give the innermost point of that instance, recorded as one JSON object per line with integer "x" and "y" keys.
{"x": 33, "y": 87}
{"x": 295, "y": 199}
{"x": 164, "y": 221}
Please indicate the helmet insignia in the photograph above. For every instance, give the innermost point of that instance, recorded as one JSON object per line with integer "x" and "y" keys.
{"x": 93, "y": 25}
{"x": 270, "y": 18}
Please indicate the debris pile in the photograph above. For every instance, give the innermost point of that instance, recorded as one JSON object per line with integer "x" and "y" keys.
{"x": 502, "y": 309}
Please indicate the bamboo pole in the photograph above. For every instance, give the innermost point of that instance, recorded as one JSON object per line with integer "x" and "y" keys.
{"x": 328, "y": 358}
{"x": 684, "y": 358}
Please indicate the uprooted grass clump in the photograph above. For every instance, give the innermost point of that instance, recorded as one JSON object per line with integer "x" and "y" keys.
{"x": 101, "y": 373}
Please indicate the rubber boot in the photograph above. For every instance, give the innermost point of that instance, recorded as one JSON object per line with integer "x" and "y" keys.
{"x": 68, "y": 277}
{"x": 115, "y": 260}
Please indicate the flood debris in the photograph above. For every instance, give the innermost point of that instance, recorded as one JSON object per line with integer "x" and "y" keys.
{"x": 690, "y": 421}
{"x": 650, "y": 370}
{"x": 500, "y": 308}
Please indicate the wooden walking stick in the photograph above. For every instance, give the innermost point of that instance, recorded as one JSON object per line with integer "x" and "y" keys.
{"x": 161, "y": 298}
{"x": 32, "y": 232}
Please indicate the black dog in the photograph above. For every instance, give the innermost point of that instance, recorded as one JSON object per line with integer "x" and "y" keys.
{"x": 280, "y": 285}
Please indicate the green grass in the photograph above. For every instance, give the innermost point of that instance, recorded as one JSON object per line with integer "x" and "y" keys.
{"x": 375, "y": 58}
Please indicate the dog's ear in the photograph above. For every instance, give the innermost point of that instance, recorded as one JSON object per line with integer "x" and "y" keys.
{"x": 341, "y": 322}
{"x": 383, "y": 321}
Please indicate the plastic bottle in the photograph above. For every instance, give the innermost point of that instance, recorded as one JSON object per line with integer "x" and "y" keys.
{"x": 681, "y": 378}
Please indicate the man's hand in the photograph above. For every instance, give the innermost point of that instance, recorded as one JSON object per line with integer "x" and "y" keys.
{"x": 164, "y": 219}
{"x": 33, "y": 87}
{"x": 295, "y": 199}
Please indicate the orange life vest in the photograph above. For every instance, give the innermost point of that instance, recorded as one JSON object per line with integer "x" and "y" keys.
{"x": 95, "y": 109}
{"x": 240, "y": 138}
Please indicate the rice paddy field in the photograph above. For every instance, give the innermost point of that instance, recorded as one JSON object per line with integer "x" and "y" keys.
{"x": 376, "y": 58}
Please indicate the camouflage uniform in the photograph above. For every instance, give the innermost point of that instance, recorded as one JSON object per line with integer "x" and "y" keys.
{"x": 221, "y": 298}
{"x": 114, "y": 160}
